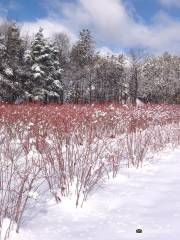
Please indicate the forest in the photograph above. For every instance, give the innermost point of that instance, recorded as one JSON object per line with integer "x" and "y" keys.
{"x": 79, "y": 158}
{"x": 55, "y": 70}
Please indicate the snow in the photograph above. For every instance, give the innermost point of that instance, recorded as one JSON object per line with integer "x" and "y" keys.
{"x": 147, "y": 198}
{"x": 5, "y": 230}
{"x": 36, "y": 75}
{"x": 8, "y": 71}
{"x": 36, "y": 68}
{"x": 33, "y": 195}
{"x": 139, "y": 103}
{"x": 58, "y": 84}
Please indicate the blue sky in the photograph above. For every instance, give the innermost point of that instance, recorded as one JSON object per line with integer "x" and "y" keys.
{"x": 117, "y": 25}
{"x": 32, "y": 9}
{"x": 24, "y": 10}
{"x": 147, "y": 9}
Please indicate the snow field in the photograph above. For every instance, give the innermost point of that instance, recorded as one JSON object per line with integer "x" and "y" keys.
{"x": 59, "y": 155}
{"x": 147, "y": 198}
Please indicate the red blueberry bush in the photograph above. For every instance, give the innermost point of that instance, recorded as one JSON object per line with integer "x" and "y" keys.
{"x": 67, "y": 150}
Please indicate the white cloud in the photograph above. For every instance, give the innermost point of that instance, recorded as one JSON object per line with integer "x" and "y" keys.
{"x": 108, "y": 19}
{"x": 50, "y": 27}
{"x": 105, "y": 51}
{"x": 170, "y": 3}
{"x": 111, "y": 23}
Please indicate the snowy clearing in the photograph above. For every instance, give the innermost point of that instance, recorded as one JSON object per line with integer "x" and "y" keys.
{"x": 54, "y": 158}
{"x": 147, "y": 198}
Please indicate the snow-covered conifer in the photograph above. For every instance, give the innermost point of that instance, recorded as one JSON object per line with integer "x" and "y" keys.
{"x": 46, "y": 71}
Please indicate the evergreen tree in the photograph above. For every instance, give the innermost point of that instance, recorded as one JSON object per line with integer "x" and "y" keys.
{"x": 84, "y": 50}
{"x": 13, "y": 45}
{"x": 110, "y": 79}
{"x": 62, "y": 43}
{"x": 2, "y": 51}
{"x": 46, "y": 71}
{"x": 136, "y": 59}
{"x": 10, "y": 49}
{"x": 79, "y": 75}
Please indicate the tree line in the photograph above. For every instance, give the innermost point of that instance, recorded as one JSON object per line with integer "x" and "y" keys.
{"x": 54, "y": 70}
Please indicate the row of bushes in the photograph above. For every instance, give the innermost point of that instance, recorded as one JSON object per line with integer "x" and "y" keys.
{"x": 67, "y": 150}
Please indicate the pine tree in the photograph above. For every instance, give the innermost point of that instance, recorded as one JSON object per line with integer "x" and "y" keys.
{"x": 62, "y": 44}
{"x": 46, "y": 71}
{"x": 54, "y": 85}
{"x": 13, "y": 45}
{"x": 10, "y": 81}
{"x": 110, "y": 79}
{"x": 80, "y": 71}
{"x": 136, "y": 59}
{"x": 84, "y": 50}
{"x": 2, "y": 51}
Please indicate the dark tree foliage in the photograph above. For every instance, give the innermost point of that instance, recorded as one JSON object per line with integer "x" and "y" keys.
{"x": 51, "y": 70}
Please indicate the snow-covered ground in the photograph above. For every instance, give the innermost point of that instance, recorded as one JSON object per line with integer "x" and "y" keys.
{"x": 147, "y": 198}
